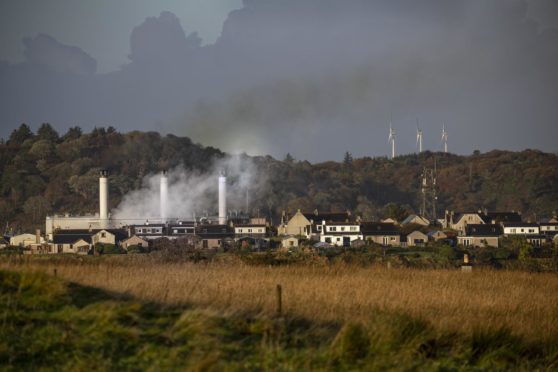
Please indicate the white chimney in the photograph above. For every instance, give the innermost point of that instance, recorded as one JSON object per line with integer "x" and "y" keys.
{"x": 222, "y": 199}
{"x": 164, "y": 191}
{"x": 103, "y": 200}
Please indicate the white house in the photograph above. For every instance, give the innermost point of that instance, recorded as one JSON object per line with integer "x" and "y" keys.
{"x": 417, "y": 238}
{"x": 521, "y": 228}
{"x": 250, "y": 231}
{"x": 26, "y": 240}
{"x": 339, "y": 233}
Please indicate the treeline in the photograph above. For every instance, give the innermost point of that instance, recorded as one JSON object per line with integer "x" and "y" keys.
{"x": 46, "y": 172}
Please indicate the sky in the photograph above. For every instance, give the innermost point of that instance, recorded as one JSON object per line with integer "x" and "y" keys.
{"x": 313, "y": 78}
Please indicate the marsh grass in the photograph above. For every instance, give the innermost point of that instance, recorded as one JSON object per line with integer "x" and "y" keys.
{"x": 112, "y": 314}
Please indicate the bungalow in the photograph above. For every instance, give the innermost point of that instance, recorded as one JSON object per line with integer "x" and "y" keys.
{"x": 134, "y": 240}
{"x": 26, "y": 240}
{"x": 415, "y": 219}
{"x": 289, "y": 242}
{"x": 437, "y": 235}
{"x": 381, "y": 233}
{"x": 339, "y": 233}
{"x": 416, "y": 238}
{"x": 480, "y": 235}
{"x": 113, "y": 236}
{"x": 79, "y": 243}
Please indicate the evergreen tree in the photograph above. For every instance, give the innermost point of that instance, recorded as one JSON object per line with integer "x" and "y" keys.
{"x": 289, "y": 159}
{"x": 348, "y": 159}
{"x": 47, "y": 132}
{"x": 20, "y": 134}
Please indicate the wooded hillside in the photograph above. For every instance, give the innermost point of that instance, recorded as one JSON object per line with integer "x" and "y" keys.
{"x": 44, "y": 172}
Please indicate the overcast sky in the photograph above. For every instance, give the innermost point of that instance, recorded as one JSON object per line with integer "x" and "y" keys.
{"x": 314, "y": 78}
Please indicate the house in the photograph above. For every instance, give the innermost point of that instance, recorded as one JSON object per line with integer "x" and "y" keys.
{"x": 531, "y": 232}
{"x": 339, "y": 233}
{"x": 289, "y": 242}
{"x": 77, "y": 241}
{"x": 417, "y": 239}
{"x": 417, "y": 220}
{"x": 3, "y": 242}
{"x": 135, "y": 240}
{"x": 148, "y": 231}
{"x": 480, "y": 235}
{"x": 502, "y": 217}
{"x": 256, "y": 231}
{"x": 437, "y": 235}
{"x": 214, "y": 236}
{"x": 301, "y": 223}
{"x": 390, "y": 220}
{"x": 549, "y": 228}
{"x": 26, "y": 240}
{"x": 181, "y": 228}
{"x": 381, "y": 233}
{"x": 460, "y": 221}
{"x": 521, "y": 228}
{"x": 112, "y": 236}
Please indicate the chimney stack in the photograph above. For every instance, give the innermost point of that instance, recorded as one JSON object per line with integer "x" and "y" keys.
{"x": 164, "y": 194}
{"x": 222, "y": 199}
{"x": 103, "y": 199}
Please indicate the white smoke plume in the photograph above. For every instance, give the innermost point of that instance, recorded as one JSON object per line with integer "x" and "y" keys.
{"x": 192, "y": 193}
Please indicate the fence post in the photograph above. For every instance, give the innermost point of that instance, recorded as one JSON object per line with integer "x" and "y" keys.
{"x": 279, "y": 300}
{"x": 55, "y": 272}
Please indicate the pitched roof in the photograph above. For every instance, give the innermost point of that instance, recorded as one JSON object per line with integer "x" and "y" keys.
{"x": 378, "y": 228}
{"x": 504, "y": 216}
{"x": 520, "y": 224}
{"x": 70, "y": 238}
{"x": 411, "y": 217}
{"x": 214, "y": 231}
{"x": 483, "y": 230}
{"x": 327, "y": 216}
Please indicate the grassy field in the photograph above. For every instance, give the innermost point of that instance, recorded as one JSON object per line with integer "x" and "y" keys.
{"x": 223, "y": 314}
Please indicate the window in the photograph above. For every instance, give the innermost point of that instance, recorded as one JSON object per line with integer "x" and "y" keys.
{"x": 353, "y": 228}
{"x": 392, "y": 238}
{"x": 71, "y": 246}
{"x": 512, "y": 231}
{"x": 249, "y": 230}
{"x": 328, "y": 240}
{"x": 332, "y": 228}
{"x": 319, "y": 228}
{"x": 103, "y": 235}
{"x": 342, "y": 228}
{"x": 522, "y": 230}
{"x": 338, "y": 239}
{"x": 531, "y": 230}
{"x": 175, "y": 231}
{"x": 291, "y": 243}
{"x": 260, "y": 230}
{"x": 205, "y": 244}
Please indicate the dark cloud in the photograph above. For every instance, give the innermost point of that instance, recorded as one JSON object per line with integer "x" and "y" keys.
{"x": 44, "y": 50}
{"x": 319, "y": 77}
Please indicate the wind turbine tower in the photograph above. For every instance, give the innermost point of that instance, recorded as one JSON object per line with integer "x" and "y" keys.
{"x": 419, "y": 138}
{"x": 391, "y": 139}
{"x": 445, "y": 138}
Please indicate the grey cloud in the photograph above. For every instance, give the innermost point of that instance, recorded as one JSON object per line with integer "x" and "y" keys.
{"x": 46, "y": 51}
{"x": 318, "y": 78}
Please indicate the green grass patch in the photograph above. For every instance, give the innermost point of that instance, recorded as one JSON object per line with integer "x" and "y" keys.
{"x": 49, "y": 324}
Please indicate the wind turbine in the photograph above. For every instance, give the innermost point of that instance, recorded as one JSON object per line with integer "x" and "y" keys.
{"x": 419, "y": 137}
{"x": 391, "y": 139}
{"x": 445, "y": 137}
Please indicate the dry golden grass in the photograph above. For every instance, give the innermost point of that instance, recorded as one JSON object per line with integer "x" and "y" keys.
{"x": 526, "y": 303}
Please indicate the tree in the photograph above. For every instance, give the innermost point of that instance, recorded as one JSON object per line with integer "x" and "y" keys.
{"x": 395, "y": 211}
{"x": 36, "y": 207}
{"x": 348, "y": 159}
{"x": 20, "y": 134}
{"x": 289, "y": 159}
{"x": 72, "y": 133}
{"x": 47, "y": 132}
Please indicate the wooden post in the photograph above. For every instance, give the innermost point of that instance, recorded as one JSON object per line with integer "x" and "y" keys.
{"x": 279, "y": 300}
{"x": 55, "y": 272}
